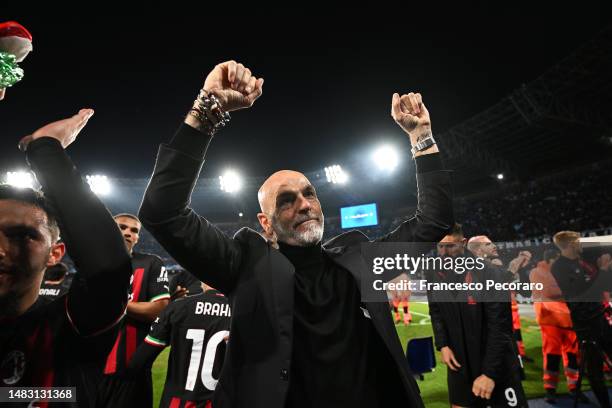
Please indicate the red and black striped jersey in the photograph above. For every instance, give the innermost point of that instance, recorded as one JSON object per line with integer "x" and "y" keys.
{"x": 64, "y": 342}
{"x": 149, "y": 283}
{"x": 41, "y": 348}
{"x": 197, "y": 328}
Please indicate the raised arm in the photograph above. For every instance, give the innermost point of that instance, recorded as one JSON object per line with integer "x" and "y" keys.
{"x": 434, "y": 215}
{"x": 98, "y": 296}
{"x": 193, "y": 241}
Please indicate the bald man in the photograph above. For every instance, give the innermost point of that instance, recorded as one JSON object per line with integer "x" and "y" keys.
{"x": 482, "y": 246}
{"x": 473, "y": 331}
{"x": 301, "y": 334}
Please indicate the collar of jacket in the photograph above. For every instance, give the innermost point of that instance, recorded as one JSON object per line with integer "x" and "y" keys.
{"x": 344, "y": 250}
{"x": 334, "y": 247}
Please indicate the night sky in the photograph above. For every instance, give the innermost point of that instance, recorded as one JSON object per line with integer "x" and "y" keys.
{"x": 329, "y": 78}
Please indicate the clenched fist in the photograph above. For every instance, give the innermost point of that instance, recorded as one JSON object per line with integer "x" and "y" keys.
{"x": 234, "y": 85}
{"x": 411, "y": 115}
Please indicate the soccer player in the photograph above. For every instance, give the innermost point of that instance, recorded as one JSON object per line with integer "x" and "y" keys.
{"x": 60, "y": 343}
{"x": 55, "y": 283}
{"x": 197, "y": 328}
{"x": 474, "y": 336}
{"x": 148, "y": 297}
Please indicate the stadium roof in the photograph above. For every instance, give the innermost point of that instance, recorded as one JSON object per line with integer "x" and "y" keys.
{"x": 562, "y": 118}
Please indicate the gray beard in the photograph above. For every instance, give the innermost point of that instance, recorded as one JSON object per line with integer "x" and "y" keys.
{"x": 312, "y": 235}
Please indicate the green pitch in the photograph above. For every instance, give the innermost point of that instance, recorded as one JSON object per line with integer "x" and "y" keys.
{"x": 433, "y": 388}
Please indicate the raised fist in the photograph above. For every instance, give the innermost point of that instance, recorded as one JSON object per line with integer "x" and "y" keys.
{"x": 411, "y": 115}
{"x": 526, "y": 255}
{"x": 516, "y": 264}
{"x": 604, "y": 261}
{"x": 234, "y": 85}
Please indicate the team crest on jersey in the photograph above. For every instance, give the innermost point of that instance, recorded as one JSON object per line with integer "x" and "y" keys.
{"x": 163, "y": 275}
{"x": 13, "y": 365}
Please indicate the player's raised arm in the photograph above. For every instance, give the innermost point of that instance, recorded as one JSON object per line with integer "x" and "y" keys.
{"x": 98, "y": 295}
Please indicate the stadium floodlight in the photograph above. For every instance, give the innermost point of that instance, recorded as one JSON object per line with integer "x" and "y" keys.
{"x": 336, "y": 175}
{"x": 230, "y": 181}
{"x": 20, "y": 179}
{"x": 500, "y": 176}
{"x": 240, "y": 214}
{"x": 386, "y": 158}
{"x": 99, "y": 184}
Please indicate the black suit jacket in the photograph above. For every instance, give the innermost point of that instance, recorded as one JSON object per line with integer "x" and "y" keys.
{"x": 258, "y": 279}
{"x": 479, "y": 332}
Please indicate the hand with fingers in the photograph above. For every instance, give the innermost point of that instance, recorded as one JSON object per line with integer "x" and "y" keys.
{"x": 483, "y": 387}
{"x": 519, "y": 262}
{"x": 448, "y": 358}
{"x": 65, "y": 130}
{"x": 410, "y": 113}
{"x": 526, "y": 255}
{"x": 604, "y": 262}
{"x": 179, "y": 293}
{"x": 516, "y": 264}
{"x": 234, "y": 85}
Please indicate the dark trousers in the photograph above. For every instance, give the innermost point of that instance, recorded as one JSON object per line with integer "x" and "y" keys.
{"x": 596, "y": 348}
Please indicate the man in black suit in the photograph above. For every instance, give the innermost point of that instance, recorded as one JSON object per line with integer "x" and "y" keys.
{"x": 301, "y": 334}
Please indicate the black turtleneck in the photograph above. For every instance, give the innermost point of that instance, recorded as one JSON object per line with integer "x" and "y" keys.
{"x": 331, "y": 335}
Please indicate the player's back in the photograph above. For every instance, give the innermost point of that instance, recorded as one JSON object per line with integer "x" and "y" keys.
{"x": 199, "y": 327}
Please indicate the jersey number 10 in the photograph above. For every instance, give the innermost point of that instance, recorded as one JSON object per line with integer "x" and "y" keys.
{"x": 197, "y": 335}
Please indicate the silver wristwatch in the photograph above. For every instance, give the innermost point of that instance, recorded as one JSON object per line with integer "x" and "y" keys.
{"x": 423, "y": 144}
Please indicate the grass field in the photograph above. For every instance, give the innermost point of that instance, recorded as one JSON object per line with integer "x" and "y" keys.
{"x": 433, "y": 388}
